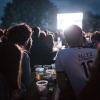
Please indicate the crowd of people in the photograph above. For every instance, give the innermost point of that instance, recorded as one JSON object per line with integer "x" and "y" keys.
{"x": 76, "y": 63}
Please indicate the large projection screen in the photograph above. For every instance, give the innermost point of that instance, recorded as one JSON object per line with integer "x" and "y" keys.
{"x": 64, "y": 20}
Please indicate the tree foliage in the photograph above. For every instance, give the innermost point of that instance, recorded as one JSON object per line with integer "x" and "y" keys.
{"x": 34, "y": 12}
{"x": 91, "y": 22}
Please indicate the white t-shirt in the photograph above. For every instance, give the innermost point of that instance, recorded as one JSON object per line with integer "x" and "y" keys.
{"x": 76, "y": 63}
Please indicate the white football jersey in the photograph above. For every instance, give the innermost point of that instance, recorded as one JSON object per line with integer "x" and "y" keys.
{"x": 76, "y": 62}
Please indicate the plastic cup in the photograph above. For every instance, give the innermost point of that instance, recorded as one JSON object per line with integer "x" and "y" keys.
{"x": 42, "y": 85}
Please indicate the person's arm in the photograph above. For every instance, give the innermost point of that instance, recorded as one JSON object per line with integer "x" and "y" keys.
{"x": 26, "y": 76}
{"x": 63, "y": 80}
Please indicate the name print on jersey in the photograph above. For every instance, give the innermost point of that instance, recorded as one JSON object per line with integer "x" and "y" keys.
{"x": 85, "y": 56}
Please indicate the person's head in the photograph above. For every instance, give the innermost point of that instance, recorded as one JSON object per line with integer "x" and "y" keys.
{"x": 73, "y": 35}
{"x": 19, "y": 34}
{"x": 50, "y": 39}
{"x": 42, "y": 35}
{"x": 95, "y": 38}
{"x": 36, "y": 31}
{"x": 1, "y": 33}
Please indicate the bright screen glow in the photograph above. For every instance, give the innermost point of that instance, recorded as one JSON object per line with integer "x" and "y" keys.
{"x": 65, "y": 20}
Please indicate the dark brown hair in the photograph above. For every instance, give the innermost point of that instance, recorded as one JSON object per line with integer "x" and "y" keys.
{"x": 19, "y": 34}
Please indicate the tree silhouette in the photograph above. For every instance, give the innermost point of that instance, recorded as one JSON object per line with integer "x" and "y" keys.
{"x": 91, "y": 22}
{"x": 34, "y": 12}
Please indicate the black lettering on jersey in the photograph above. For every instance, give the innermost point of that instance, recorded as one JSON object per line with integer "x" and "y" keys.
{"x": 87, "y": 66}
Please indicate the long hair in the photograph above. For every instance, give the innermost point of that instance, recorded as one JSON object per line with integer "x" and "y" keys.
{"x": 19, "y": 34}
{"x": 10, "y": 65}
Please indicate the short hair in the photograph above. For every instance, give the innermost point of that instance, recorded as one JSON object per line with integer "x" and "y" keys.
{"x": 36, "y": 31}
{"x": 42, "y": 35}
{"x": 1, "y": 32}
{"x": 73, "y": 34}
{"x": 19, "y": 33}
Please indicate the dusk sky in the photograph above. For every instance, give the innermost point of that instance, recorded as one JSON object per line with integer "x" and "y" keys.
{"x": 68, "y": 5}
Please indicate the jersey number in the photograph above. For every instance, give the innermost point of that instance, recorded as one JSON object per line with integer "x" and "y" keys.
{"x": 87, "y": 67}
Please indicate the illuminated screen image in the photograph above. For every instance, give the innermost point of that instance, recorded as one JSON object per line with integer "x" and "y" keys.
{"x": 64, "y": 20}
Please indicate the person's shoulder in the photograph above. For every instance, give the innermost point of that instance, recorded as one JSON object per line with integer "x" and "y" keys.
{"x": 69, "y": 50}
{"x": 7, "y": 47}
{"x": 11, "y": 49}
{"x": 90, "y": 49}
{"x": 64, "y": 51}
{"x": 25, "y": 55}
